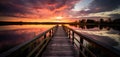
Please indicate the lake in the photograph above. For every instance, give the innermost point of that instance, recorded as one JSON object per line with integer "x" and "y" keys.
{"x": 13, "y": 35}
{"x": 109, "y": 35}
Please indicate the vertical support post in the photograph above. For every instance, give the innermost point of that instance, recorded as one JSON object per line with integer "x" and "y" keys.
{"x": 50, "y": 33}
{"x": 72, "y": 37}
{"x": 81, "y": 43}
{"x": 68, "y": 33}
{"x": 53, "y": 30}
{"x": 44, "y": 36}
{"x": 65, "y": 29}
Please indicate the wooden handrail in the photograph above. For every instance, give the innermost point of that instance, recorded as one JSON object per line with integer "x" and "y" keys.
{"x": 114, "y": 52}
{"x": 25, "y": 48}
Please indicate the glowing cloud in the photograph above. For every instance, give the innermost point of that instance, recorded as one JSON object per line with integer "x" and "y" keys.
{"x": 59, "y": 17}
{"x": 35, "y": 8}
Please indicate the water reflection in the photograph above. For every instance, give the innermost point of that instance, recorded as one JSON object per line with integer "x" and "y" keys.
{"x": 107, "y": 34}
{"x": 13, "y": 35}
{"x": 100, "y": 27}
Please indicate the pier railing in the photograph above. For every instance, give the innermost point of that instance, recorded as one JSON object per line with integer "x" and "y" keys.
{"x": 94, "y": 48}
{"x": 32, "y": 48}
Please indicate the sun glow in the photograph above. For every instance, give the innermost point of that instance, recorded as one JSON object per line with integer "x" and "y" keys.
{"x": 59, "y": 17}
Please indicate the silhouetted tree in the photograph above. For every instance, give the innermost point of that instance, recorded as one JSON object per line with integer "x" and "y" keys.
{"x": 83, "y": 22}
{"x": 90, "y": 21}
{"x": 101, "y": 21}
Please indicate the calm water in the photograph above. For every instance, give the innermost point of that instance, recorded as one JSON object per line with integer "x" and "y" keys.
{"x": 105, "y": 34}
{"x": 13, "y": 35}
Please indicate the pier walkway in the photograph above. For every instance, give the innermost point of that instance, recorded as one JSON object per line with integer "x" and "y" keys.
{"x": 59, "y": 45}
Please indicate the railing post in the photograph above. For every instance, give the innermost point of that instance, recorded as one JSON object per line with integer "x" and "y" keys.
{"x": 52, "y": 31}
{"x": 65, "y": 29}
{"x": 81, "y": 41}
{"x": 72, "y": 37}
{"x": 81, "y": 48}
{"x": 68, "y": 33}
{"x": 44, "y": 36}
{"x": 50, "y": 34}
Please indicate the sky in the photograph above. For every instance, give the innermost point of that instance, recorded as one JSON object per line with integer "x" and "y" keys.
{"x": 49, "y": 10}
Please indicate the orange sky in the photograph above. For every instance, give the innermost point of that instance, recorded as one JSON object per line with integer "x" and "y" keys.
{"x": 53, "y": 19}
{"x": 48, "y": 10}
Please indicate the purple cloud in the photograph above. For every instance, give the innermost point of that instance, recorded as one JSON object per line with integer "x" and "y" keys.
{"x": 33, "y": 7}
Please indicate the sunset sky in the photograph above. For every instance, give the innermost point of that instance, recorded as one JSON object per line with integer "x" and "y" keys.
{"x": 50, "y": 10}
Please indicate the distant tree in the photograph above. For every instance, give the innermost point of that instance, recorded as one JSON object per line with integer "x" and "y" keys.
{"x": 109, "y": 20}
{"x": 83, "y": 21}
{"x": 90, "y": 21}
{"x": 101, "y": 21}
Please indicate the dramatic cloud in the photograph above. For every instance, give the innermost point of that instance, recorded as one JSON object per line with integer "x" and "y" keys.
{"x": 35, "y": 8}
{"x": 51, "y": 8}
{"x": 103, "y": 6}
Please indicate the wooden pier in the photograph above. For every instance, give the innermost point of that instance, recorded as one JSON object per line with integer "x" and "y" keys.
{"x": 59, "y": 45}
{"x": 61, "y": 41}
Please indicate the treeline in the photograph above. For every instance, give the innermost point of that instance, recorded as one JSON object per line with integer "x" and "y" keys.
{"x": 100, "y": 22}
